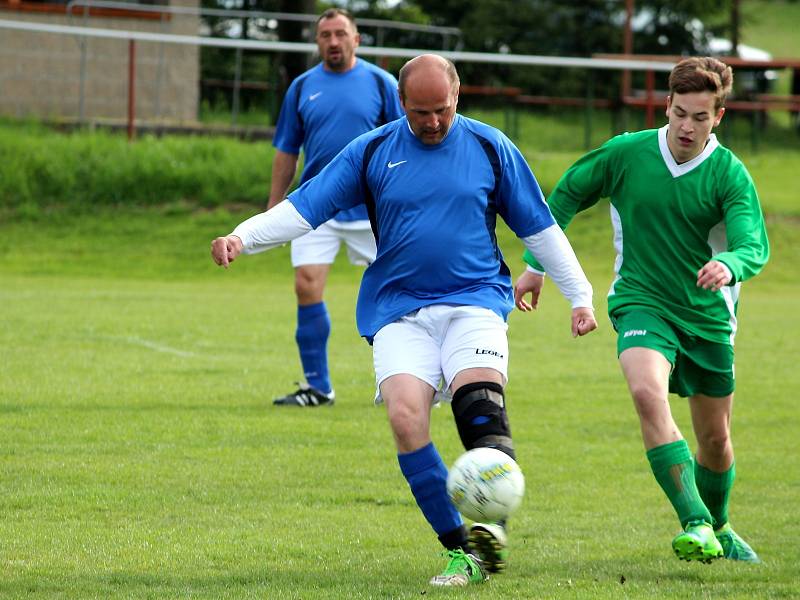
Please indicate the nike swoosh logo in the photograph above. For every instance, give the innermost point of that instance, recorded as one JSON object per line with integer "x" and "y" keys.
{"x": 315, "y": 96}
{"x": 392, "y": 165}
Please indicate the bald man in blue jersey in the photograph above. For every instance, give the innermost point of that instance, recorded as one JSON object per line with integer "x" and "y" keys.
{"x": 435, "y": 301}
{"x": 324, "y": 109}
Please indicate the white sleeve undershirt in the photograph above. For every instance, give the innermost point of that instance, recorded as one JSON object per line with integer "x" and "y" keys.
{"x": 280, "y": 224}
{"x": 552, "y": 249}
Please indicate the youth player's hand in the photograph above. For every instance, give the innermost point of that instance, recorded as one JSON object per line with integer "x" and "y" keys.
{"x": 583, "y": 321}
{"x": 224, "y": 250}
{"x": 713, "y": 276}
{"x": 528, "y": 283}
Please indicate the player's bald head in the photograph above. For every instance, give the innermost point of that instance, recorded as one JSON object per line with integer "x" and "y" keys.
{"x": 428, "y": 70}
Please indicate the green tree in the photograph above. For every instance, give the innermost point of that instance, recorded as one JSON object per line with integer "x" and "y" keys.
{"x": 554, "y": 28}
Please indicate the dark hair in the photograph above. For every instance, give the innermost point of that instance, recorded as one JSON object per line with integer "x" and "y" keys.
{"x": 332, "y": 13}
{"x": 702, "y": 74}
{"x": 447, "y": 65}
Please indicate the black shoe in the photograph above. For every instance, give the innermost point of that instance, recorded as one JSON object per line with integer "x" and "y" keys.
{"x": 306, "y": 396}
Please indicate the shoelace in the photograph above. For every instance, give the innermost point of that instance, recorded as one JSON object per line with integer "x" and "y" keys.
{"x": 458, "y": 559}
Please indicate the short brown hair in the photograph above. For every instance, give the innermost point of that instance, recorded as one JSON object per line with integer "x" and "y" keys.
{"x": 332, "y": 13}
{"x": 702, "y": 74}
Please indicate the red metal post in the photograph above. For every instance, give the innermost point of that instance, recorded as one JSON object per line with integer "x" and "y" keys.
{"x": 627, "y": 47}
{"x": 131, "y": 88}
{"x": 650, "y": 78}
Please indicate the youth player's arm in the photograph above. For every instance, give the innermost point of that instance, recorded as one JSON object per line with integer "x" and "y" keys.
{"x": 284, "y": 167}
{"x": 581, "y": 186}
{"x": 746, "y": 233}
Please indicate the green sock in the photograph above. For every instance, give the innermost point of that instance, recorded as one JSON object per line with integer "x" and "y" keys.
{"x": 715, "y": 489}
{"x": 673, "y": 467}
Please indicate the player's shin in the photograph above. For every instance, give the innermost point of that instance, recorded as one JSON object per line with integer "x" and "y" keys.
{"x": 426, "y": 474}
{"x": 482, "y": 422}
{"x": 480, "y": 413}
{"x": 715, "y": 490}
{"x": 313, "y": 331}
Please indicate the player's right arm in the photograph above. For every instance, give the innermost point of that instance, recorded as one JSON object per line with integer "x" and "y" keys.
{"x": 337, "y": 187}
{"x": 225, "y": 249}
{"x": 284, "y": 167}
{"x": 261, "y": 232}
{"x": 583, "y": 184}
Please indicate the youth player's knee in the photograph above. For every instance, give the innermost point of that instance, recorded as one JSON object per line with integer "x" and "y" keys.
{"x": 714, "y": 443}
{"x": 480, "y": 413}
{"x": 648, "y": 398}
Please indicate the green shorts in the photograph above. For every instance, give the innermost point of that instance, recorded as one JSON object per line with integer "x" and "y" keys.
{"x": 698, "y": 366}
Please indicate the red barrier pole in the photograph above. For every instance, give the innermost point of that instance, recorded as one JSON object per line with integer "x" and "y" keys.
{"x": 651, "y": 107}
{"x": 131, "y": 88}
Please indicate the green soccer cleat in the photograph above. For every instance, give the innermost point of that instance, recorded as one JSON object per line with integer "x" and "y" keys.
{"x": 462, "y": 569}
{"x": 489, "y": 541}
{"x": 734, "y": 547}
{"x": 697, "y": 542}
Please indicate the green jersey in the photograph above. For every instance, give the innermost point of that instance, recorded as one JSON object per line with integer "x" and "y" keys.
{"x": 669, "y": 220}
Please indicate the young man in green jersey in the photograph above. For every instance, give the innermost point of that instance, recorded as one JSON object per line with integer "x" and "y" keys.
{"x": 688, "y": 230}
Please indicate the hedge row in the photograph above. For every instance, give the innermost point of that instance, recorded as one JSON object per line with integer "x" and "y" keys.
{"x": 84, "y": 169}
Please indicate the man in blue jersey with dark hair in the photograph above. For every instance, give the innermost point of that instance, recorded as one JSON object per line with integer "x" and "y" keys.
{"x": 435, "y": 301}
{"x": 324, "y": 109}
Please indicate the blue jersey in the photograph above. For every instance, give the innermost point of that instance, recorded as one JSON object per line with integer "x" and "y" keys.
{"x": 323, "y": 111}
{"x": 433, "y": 210}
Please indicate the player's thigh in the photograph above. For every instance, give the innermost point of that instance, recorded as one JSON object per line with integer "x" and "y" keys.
{"x": 647, "y": 348}
{"x": 360, "y": 244}
{"x": 317, "y": 247}
{"x": 476, "y": 338}
{"x": 711, "y": 417}
{"x": 406, "y": 347}
{"x": 705, "y": 368}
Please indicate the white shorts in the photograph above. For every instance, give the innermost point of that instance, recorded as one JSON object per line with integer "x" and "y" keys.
{"x": 437, "y": 342}
{"x": 320, "y": 246}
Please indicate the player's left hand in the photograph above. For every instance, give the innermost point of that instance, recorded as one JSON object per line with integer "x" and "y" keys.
{"x": 531, "y": 283}
{"x": 713, "y": 276}
{"x": 583, "y": 321}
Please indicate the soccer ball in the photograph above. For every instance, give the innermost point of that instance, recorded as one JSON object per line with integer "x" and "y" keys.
{"x": 485, "y": 484}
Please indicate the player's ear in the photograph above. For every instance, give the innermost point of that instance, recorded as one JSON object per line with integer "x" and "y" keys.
{"x": 718, "y": 116}
{"x": 669, "y": 103}
{"x": 356, "y": 40}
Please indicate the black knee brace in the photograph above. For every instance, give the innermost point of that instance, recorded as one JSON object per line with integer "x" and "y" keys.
{"x": 481, "y": 419}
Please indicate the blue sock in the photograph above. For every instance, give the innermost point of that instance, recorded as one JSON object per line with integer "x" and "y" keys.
{"x": 313, "y": 330}
{"x": 427, "y": 476}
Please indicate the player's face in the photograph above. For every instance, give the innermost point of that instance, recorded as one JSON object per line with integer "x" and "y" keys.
{"x": 337, "y": 41}
{"x": 691, "y": 118}
{"x": 430, "y": 105}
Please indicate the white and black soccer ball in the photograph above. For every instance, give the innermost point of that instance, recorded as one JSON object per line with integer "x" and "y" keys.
{"x": 485, "y": 484}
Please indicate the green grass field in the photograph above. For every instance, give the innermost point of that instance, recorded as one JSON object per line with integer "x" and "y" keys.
{"x": 141, "y": 456}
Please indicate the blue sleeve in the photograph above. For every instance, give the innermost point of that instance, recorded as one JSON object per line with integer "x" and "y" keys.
{"x": 519, "y": 199}
{"x": 289, "y": 132}
{"x": 339, "y": 186}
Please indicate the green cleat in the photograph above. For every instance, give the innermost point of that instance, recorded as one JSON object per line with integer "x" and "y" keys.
{"x": 462, "y": 569}
{"x": 734, "y": 547}
{"x": 489, "y": 541}
{"x": 697, "y": 542}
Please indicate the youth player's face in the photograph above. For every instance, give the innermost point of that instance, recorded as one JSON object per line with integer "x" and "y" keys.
{"x": 430, "y": 104}
{"x": 691, "y": 117}
{"x": 337, "y": 41}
